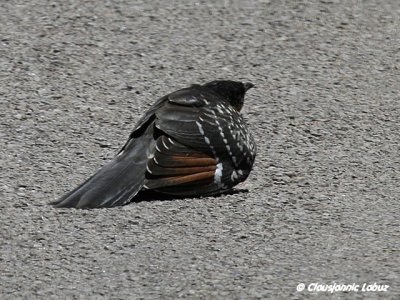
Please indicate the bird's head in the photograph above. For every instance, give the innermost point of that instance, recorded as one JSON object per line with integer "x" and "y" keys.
{"x": 232, "y": 91}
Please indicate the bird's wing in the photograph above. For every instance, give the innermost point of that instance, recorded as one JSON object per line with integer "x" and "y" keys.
{"x": 180, "y": 170}
{"x": 190, "y": 96}
{"x": 213, "y": 127}
{"x": 216, "y": 129}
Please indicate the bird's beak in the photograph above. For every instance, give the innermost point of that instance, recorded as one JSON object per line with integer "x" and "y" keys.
{"x": 248, "y": 86}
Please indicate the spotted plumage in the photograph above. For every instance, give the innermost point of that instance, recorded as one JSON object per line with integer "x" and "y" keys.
{"x": 191, "y": 142}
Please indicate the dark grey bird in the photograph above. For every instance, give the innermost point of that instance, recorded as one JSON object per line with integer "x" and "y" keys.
{"x": 192, "y": 142}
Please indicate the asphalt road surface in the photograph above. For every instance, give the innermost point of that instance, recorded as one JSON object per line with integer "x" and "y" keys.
{"x": 321, "y": 206}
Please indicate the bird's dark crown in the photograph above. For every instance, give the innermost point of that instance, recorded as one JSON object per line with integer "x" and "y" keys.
{"x": 232, "y": 91}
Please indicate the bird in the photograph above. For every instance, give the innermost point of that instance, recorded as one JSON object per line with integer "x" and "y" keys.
{"x": 192, "y": 142}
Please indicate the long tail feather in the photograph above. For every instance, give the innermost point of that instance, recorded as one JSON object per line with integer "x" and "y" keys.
{"x": 117, "y": 182}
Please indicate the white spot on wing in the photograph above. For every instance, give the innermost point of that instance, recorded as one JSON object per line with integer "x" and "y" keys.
{"x": 234, "y": 176}
{"x": 218, "y": 175}
{"x": 166, "y": 147}
{"x": 208, "y": 115}
{"x": 200, "y": 127}
{"x": 171, "y": 141}
{"x": 148, "y": 170}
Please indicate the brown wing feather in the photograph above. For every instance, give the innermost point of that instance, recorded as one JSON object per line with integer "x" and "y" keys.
{"x": 156, "y": 170}
{"x": 192, "y": 179}
{"x": 176, "y": 167}
{"x": 175, "y": 161}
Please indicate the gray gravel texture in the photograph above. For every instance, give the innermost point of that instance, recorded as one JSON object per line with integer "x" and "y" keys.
{"x": 322, "y": 200}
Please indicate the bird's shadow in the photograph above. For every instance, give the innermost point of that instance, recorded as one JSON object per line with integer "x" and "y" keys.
{"x": 148, "y": 196}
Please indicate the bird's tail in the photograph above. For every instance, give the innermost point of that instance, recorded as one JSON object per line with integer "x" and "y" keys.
{"x": 117, "y": 182}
